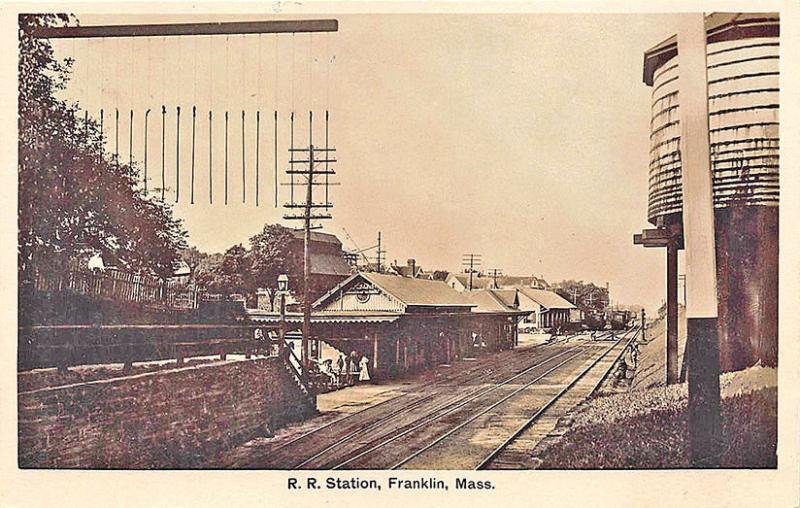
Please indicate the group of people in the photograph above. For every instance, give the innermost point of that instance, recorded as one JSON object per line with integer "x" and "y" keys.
{"x": 348, "y": 369}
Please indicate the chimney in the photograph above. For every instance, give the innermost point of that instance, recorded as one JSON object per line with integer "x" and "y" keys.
{"x": 412, "y": 263}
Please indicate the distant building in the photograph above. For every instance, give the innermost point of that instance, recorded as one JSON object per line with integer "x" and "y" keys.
{"x": 402, "y": 324}
{"x": 547, "y": 309}
{"x": 182, "y": 273}
{"x": 410, "y": 270}
{"x": 329, "y": 265}
{"x": 461, "y": 282}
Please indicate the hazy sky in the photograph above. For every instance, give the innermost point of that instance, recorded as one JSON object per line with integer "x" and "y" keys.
{"x": 520, "y": 137}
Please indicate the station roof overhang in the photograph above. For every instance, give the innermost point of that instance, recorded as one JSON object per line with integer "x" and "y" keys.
{"x": 261, "y": 316}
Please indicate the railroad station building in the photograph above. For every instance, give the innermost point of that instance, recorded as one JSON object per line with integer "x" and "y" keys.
{"x": 402, "y": 324}
{"x": 547, "y": 308}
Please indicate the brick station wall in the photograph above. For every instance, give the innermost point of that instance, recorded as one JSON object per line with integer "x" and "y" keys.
{"x": 179, "y": 418}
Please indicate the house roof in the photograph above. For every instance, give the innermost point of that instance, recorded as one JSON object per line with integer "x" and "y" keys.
{"x": 405, "y": 271}
{"x": 318, "y": 236}
{"x": 420, "y": 292}
{"x": 512, "y": 280}
{"x": 477, "y": 282}
{"x": 507, "y": 296}
{"x": 720, "y": 26}
{"x": 547, "y": 299}
{"x": 181, "y": 268}
{"x": 408, "y": 291}
{"x": 329, "y": 264}
{"x": 488, "y": 301}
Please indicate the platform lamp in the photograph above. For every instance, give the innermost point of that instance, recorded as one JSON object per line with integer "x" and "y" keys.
{"x": 283, "y": 288}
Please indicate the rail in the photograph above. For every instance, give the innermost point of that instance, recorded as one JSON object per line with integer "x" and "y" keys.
{"x": 475, "y": 373}
{"x": 454, "y": 405}
{"x": 491, "y": 456}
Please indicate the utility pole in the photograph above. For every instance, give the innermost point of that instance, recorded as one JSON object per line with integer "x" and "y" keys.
{"x": 495, "y": 273}
{"x": 705, "y": 430}
{"x": 470, "y": 261}
{"x": 379, "y": 254}
{"x": 309, "y": 214}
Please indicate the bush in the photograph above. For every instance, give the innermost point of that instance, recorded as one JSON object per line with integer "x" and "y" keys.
{"x": 659, "y": 439}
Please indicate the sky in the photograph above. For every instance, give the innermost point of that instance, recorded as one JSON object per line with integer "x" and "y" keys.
{"x": 521, "y": 137}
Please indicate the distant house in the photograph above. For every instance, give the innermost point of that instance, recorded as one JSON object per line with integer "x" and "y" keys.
{"x": 461, "y": 282}
{"x": 548, "y": 309}
{"x": 422, "y": 274}
{"x": 508, "y": 281}
{"x": 329, "y": 265}
{"x": 182, "y": 273}
{"x": 410, "y": 270}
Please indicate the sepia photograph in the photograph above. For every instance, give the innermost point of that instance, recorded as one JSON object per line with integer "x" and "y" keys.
{"x": 385, "y": 241}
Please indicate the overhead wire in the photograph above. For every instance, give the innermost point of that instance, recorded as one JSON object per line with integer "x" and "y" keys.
{"x": 178, "y": 154}
{"x": 178, "y": 128}
{"x": 194, "y": 114}
{"x": 146, "y": 114}
{"x": 210, "y": 123}
{"x": 244, "y": 104}
{"x": 227, "y": 103}
{"x": 275, "y": 105}
{"x": 163, "y": 118}
{"x": 259, "y": 87}
{"x": 163, "y": 150}
{"x": 194, "y": 121}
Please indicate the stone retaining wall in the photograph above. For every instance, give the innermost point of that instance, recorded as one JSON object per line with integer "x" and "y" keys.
{"x": 178, "y": 418}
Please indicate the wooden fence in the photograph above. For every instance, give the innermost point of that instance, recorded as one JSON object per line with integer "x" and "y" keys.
{"x": 122, "y": 287}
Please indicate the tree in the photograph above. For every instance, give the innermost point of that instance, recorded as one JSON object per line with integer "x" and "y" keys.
{"x": 229, "y": 273}
{"x": 73, "y": 198}
{"x": 273, "y": 252}
{"x": 585, "y": 295}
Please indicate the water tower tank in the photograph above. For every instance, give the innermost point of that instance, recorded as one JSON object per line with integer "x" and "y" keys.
{"x": 743, "y": 87}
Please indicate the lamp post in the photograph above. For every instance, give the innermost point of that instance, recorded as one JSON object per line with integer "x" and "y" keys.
{"x": 283, "y": 288}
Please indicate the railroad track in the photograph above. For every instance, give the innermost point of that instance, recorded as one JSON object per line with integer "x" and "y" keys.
{"x": 505, "y": 456}
{"x": 433, "y": 428}
{"x": 312, "y": 445}
{"x": 382, "y": 435}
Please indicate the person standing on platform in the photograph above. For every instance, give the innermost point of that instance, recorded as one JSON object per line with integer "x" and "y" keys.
{"x": 364, "y": 374}
{"x": 354, "y": 369}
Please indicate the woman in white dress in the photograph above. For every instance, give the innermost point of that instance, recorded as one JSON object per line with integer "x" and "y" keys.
{"x": 364, "y": 374}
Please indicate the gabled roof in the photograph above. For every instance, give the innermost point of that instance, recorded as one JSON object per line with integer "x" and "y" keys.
{"x": 418, "y": 291}
{"x": 547, "y": 299}
{"x": 408, "y": 291}
{"x": 509, "y": 297}
{"x": 405, "y": 271}
{"x": 318, "y": 236}
{"x": 489, "y": 301}
{"x": 477, "y": 282}
{"x": 329, "y": 264}
{"x": 513, "y": 280}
